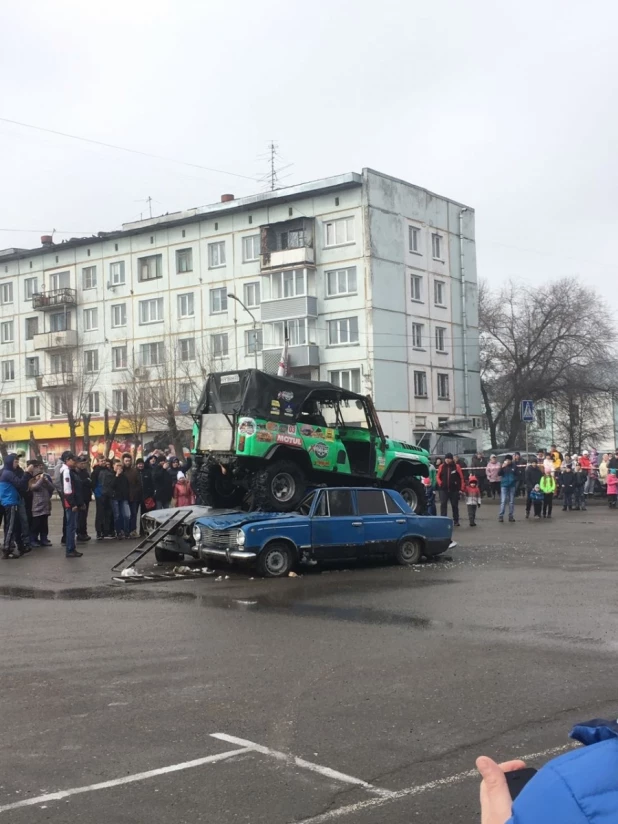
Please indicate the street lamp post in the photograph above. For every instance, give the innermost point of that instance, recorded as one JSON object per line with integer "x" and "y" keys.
{"x": 249, "y": 312}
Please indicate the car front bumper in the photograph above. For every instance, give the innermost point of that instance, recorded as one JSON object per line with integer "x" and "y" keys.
{"x": 229, "y": 555}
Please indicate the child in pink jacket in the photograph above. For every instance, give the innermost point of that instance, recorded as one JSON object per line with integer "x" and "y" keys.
{"x": 612, "y": 488}
{"x": 183, "y": 492}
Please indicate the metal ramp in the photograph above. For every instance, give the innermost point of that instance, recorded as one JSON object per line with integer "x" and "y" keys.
{"x": 150, "y": 541}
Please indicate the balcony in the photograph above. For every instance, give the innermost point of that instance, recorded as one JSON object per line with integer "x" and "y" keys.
{"x": 287, "y": 244}
{"x": 307, "y": 354}
{"x": 305, "y": 306}
{"x": 54, "y": 299}
{"x": 55, "y": 380}
{"x": 286, "y": 258}
{"x": 55, "y": 340}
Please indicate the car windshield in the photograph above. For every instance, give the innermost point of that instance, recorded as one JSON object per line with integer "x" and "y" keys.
{"x": 304, "y": 507}
{"x": 346, "y": 414}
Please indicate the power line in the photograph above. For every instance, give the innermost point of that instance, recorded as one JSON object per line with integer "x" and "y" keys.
{"x": 125, "y": 149}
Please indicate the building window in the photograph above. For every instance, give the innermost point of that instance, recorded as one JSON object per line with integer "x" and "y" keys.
{"x": 91, "y": 319}
{"x": 342, "y": 331}
{"x": 439, "y": 293}
{"x": 8, "y": 409}
{"x": 8, "y": 371}
{"x": 6, "y": 293}
{"x": 251, "y": 294}
{"x": 59, "y": 280}
{"x": 297, "y": 332}
{"x": 440, "y": 339}
{"x": 89, "y": 277}
{"x": 347, "y": 379}
{"x": 32, "y": 328}
{"x": 150, "y": 311}
{"x": 186, "y": 308}
{"x": 436, "y": 246}
{"x": 338, "y": 232}
{"x": 414, "y": 235}
{"x": 91, "y": 359}
{"x": 92, "y": 403}
{"x": 150, "y": 267}
{"x": 290, "y": 284}
{"x": 120, "y": 400}
{"x": 218, "y": 344}
{"x": 185, "y": 393}
{"x": 119, "y": 357}
{"x": 61, "y": 364}
{"x": 443, "y": 390}
{"x": 250, "y": 248}
{"x": 218, "y": 301}
{"x": 32, "y": 367}
{"x": 33, "y": 407}
{"x": 59, "y": 321}
{"x": 152, "y": 354}
{"x": 216, "y": 254}
{"x": 416, "y": 286}
{"x": 184, "y": 260}
{"x": 116, "y": 273}
{"x": 417, "y": 335}
{"x": 151, "y": 398}
{"x": 7, "y": 331}
{"x": 186, "y": 349}
{"x": 59, "y": 404}
{"x": 420, "y": 384}
{"x": 341, "y": 282}
{"x": 119, "y": 315}
{"x": 253, "y": 341}
{"x": 541, "y": 420}
{"x": 30, "y": 287}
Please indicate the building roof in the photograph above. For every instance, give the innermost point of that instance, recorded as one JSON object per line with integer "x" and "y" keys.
{"x": 348, "y": 180}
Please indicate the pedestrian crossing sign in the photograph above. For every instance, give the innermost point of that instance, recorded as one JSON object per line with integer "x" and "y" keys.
{"x": 527, "y": 411}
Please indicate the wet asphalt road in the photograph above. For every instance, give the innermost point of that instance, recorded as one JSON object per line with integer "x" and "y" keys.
{"x": 398, "y": 677}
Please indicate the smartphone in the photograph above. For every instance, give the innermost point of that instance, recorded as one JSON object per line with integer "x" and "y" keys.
{"x": 517, "y": 780}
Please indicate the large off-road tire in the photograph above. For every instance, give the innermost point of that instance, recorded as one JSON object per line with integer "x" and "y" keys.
{"x": 412, "y": 490}
{"x": 166, "y": 556}
{"x": 409, "y": 552}
{"x": 275, "y": 560}
{"x": 216, "y": 489}
{"x": 279, "y": 487}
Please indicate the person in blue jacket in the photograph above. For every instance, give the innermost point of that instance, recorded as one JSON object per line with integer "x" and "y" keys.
{"x": 12, "y": 487}
{"x": 579, "y": 787}
{"x": 508, "y": 485}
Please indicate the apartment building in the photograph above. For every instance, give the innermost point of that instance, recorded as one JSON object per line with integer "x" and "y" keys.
{"x": 372, "y": 279}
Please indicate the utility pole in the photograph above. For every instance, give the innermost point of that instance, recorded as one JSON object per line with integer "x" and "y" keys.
{"x": 149, "y": 202}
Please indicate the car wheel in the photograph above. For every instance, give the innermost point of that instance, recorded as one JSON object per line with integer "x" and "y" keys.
{"x": 216, "y": 489}
{"x": 275, "y": 560}
{"x": 166, "y": 556}
{"x": 412, "y": 491}
{"x": 409, "y": 552}
{"x": 279, "y": 487}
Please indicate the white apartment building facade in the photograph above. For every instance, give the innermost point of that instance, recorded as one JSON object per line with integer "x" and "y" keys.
{"x": 372, "y": 278}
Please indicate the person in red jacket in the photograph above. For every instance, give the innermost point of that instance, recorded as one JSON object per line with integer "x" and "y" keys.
{"x": 450, "y": 484}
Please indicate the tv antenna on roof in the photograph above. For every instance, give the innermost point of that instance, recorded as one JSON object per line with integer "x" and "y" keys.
{"x": 272, "y": 179}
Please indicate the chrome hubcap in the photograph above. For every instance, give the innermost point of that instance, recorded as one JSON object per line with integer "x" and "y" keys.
{"x": 283, "y": 487}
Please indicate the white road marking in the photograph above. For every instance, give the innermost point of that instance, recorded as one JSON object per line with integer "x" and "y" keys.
{"x": 126, "y": 779}
{"x": 306, "y": 765}
{"x": 417, "y": 790}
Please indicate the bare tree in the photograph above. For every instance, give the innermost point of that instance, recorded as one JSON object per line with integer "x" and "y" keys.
{"x": 73, "y": 393}
{"x": 537, "y": 342}
{"x": 109, "y": 433}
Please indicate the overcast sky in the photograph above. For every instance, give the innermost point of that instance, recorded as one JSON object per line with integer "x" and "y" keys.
{"x": 509, "y": 108}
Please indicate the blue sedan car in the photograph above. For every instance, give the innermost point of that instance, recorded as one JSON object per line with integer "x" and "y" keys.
{"x": 337, "y": 524}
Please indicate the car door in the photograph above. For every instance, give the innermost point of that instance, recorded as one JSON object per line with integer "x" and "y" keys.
{"x": 383, "y": 528}
{"x": 336, "y": 531}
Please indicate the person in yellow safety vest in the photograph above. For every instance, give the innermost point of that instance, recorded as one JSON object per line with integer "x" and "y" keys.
{"x": 548, "y": 487}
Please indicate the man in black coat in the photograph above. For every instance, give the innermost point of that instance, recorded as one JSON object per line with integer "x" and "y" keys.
{"x": 533, "y": 476}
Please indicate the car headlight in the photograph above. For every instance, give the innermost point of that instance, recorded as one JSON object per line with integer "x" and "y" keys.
{"x": 197, "y": 533}
{"x": 240, "y": 538}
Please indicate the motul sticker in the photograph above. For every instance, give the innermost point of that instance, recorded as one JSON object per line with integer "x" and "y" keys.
{"x": 289, "y": 440}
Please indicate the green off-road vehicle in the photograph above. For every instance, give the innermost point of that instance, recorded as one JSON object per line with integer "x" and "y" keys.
{"x": 261, "y": 440}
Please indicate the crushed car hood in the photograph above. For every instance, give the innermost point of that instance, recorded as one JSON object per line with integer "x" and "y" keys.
{"x": 226, "y": 520}
{"x": 196, "y": 511}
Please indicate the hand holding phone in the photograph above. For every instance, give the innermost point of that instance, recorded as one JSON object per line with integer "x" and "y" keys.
{"x": 516, "y": 780}
{"x": 496, "y": 801}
